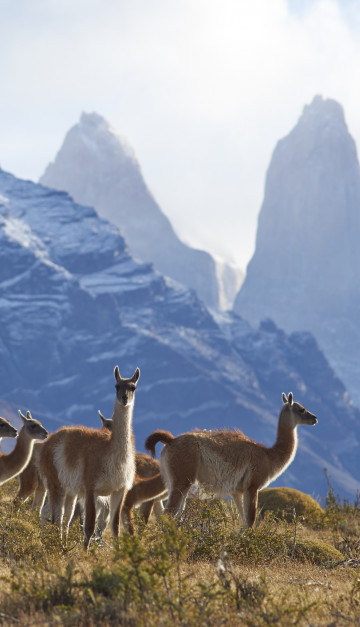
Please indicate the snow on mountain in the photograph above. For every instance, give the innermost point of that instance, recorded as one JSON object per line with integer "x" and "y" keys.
{"x": 73, "y": 303}
{"x": 230, "y": 278}
{"x": 305, "y": 269}
{"x": 98, "y": 168}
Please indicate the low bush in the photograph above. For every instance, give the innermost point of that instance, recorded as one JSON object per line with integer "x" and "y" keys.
{"x": 284, "y": 503}
{"x": 200, "y": 570}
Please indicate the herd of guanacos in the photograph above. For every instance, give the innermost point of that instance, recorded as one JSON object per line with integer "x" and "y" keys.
{"x": 98, "y": 470}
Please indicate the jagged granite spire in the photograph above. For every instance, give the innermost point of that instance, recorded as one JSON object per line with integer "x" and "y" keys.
{"x": 98, "y": 168}
{"x": 305, "y": 270}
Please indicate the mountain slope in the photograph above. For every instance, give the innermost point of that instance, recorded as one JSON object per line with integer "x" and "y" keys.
{"x": 305, "y": 269}
{"x": 98, "y": 168}
{"x": 73, "y": 303}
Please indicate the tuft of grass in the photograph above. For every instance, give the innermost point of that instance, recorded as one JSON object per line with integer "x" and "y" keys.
{"x": 284, "y": 502}
{"x": 200, "y": 570}
{"x": 315, "y": 551}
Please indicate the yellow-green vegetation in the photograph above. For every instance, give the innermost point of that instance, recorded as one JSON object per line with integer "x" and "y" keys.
{"x": 287, "y": 502}
{"x": 198, "y": 571}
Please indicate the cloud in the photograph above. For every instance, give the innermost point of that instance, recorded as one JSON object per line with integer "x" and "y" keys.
{"x": 202, "y": 90}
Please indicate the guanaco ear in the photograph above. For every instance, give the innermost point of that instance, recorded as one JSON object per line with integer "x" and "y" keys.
{"x": 103, "y": 419}
{"x": 117, "y": 374}
{"x": 285, "y": 400}
{"x": 23, "y": 418}
{"x": 290, "y": 398}
{"x": 135, "y": 376}
{"x": 28, "y": 415}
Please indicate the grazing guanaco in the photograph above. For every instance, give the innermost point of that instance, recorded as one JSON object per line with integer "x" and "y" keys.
{"x": 86, "y": 463}
{"x": 6, "y": 430}
{"x": 15, "y": 462}
{"x": 227, "y": 462}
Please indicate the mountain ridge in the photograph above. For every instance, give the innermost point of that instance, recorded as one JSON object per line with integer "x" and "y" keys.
{"x": 73, "y": 303}
{"x": 99, "y": 168}
{"x": 304, "y": 272}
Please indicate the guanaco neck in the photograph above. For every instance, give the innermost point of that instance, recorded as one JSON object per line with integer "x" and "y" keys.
{"x": 121, "y": 435}
{"x": 15, "y": 462}
{"x": 283, "y": 451}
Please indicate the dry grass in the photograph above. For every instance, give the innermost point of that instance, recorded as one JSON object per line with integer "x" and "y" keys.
{"x": 196, "y": 572}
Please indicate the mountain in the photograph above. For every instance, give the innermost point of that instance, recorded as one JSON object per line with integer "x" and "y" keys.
{"x": 305, "y": 269}
{"x": 230, "y": 278}
{"x": 73, "y": 303}
{"x": 98, "y": 168}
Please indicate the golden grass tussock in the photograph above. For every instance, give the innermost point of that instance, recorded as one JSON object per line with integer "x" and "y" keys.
{"x": 314, "y": 551}
{"x": 287, "y": 502}
{"x": 199, "y": 570}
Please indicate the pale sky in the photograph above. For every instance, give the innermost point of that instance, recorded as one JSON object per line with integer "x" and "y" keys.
{"x": 201, "y": 89}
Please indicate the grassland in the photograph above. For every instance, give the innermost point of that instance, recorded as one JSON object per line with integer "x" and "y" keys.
{"x": 294, "y": 568}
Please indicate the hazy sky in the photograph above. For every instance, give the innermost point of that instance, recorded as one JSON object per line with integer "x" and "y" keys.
{"x": 201, "y": 89}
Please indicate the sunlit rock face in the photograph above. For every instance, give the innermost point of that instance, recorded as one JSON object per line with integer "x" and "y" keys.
{"x": 305, "y": 270}
{"x": 98, "y": 168}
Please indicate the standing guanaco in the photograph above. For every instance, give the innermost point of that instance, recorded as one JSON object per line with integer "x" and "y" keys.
{"x": 227, "y": 462}
{"x": 15, "y": 462}
{"x": 86, "y": 463}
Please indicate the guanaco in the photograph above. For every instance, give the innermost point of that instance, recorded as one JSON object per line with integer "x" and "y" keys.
{"x": 15, "y": 462}
{"x": 148, "y": 490}
{"x": 7, "y": 430}
{"x": 88, "y": 463}
{"x": 30, "y": 481}
{"x": 145, "y": 466}
{"x": 226, "y": 462}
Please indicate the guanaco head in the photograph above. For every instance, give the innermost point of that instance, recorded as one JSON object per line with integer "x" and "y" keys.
{"x": 32, "y": 427}
{"x": 6, "y": 429}
{"x": 296, "y": 412}
{"x": 125, "y": 388}
{"x": 107, "y": 422}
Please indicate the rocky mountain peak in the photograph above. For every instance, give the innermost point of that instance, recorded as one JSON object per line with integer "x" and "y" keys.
{"x": 320, "y": 128}
{"x": 304, "y": 270}
{"x": 91, "y": 121}
{"x": 324, "y": 112}
{"x": 99, "y": 168}
{"x": 73, "y": 303}
{"x": 99, "y": 136}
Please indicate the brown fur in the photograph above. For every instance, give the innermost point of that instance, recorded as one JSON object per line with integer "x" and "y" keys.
{"x": 30, "y": 481}
{"x": 146, "y": 467}
{"x": 148, "y": 490}
{"x": 15, "y": 462}
{"x": 87, "y": 463}
{"x": 158, "y": 436}
{"x": 227, "y": 462}
{"x": 7, "y": 430}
